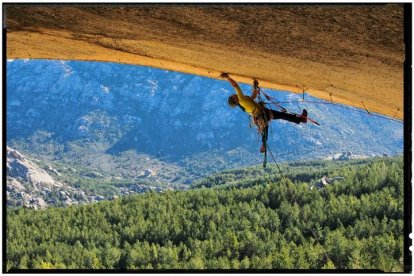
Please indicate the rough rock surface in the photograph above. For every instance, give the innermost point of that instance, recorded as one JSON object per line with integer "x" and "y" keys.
{"x": 20, "y": 169}
{"x": 352, "y": 54}
{"x": 30, "y": 186}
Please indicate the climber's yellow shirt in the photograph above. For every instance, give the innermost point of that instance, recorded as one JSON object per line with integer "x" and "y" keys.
{"x": 249, "y": 105}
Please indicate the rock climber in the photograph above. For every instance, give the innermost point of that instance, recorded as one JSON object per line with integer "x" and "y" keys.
{"x": 261, "y": 115}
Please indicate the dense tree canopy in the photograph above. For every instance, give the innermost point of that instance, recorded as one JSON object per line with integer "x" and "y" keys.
{"x": 245, "y": 222}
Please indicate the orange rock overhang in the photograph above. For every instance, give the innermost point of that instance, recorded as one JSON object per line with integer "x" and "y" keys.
{"x": 350, "y": 54}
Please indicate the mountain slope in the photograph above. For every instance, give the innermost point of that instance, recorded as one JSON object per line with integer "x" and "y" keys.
{"x": 122, "y": 120}
{"x": 31, "y": 186}
{"x": 36, "y": 184}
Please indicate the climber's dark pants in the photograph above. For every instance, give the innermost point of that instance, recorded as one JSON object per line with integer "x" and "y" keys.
{"x": 277, "y": 115}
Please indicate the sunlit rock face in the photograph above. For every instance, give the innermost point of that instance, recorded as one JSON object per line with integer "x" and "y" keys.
{"x": 354, "y": 53}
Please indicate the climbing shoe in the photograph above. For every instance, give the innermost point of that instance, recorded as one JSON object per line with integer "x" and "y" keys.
{"x": 304, "y": 116}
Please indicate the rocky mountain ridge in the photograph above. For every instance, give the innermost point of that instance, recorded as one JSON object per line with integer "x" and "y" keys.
{"x": 121, "y": 120}
{"x": 31, "y": 186}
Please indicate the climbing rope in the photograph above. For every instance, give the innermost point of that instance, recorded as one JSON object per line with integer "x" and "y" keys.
{"x": 264, "y": 134}
{"x": 306, "y": 223}
{"x": 267, "y": 149}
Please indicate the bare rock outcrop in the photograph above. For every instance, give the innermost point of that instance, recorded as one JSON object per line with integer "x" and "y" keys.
{"x": 33, "y": 187}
